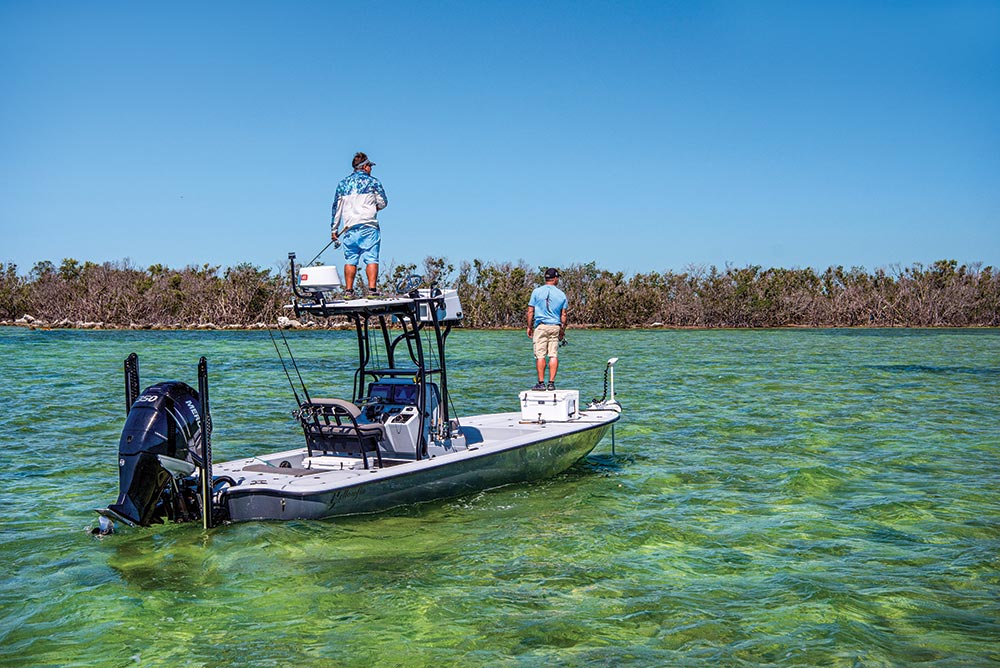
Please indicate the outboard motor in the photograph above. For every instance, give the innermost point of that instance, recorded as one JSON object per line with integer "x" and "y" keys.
{"x": 160, "y": 448}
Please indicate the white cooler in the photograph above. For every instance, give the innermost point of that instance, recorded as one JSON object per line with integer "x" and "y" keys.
{"x": 550, "y": 406}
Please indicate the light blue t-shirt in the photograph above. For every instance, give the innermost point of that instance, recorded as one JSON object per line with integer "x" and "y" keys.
{"x": 549, "y": 302}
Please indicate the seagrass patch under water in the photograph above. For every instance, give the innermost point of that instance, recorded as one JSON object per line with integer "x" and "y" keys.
{"x": 783, "y": 498}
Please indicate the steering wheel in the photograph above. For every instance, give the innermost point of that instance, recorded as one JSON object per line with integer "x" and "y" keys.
{"x": 373, "y": 406}
{"x": 408, "y": 284}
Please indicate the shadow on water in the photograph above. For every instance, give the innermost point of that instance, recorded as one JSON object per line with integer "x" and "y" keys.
{"x": 604, "y": 462}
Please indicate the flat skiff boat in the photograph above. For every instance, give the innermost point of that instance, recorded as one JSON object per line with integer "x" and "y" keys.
{"x": 394, "y": 441}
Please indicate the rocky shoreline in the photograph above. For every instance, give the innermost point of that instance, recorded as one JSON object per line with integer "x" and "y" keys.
{"x": 32, "y": 322}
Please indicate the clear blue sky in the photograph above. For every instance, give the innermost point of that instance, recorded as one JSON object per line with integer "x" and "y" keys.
{"x": 644, "y": 136}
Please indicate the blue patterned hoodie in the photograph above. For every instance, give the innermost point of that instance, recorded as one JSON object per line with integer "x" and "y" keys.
{"x": 359, "y": 198}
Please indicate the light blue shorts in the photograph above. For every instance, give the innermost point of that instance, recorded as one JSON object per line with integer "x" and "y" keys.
{"x": 361, "y": 245}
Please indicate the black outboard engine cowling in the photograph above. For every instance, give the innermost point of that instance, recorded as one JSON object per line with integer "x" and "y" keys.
{"x": 162, "y": 438}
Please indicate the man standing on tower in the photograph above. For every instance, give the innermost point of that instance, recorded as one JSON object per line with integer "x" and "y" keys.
{"x": 359, "y": 198}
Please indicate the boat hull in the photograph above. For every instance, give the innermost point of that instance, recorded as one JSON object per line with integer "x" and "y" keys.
{"x": 481, "y": 467}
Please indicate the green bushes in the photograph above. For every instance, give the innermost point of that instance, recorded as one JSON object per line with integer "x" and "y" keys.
{"x": 118, "y": 293}
{"x": 495, "y": 294}
{"x": 13, "y": 293}
{"x": 943, "y": 295}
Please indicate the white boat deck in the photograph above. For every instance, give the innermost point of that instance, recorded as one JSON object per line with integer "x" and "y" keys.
{"x": 293, "y": 471}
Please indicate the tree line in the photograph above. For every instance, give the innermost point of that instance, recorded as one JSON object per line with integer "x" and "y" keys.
{"x": 121, "y": 294}
{"x": 495, "y": 295}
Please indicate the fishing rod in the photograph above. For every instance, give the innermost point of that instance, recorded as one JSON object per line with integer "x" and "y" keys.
{"x": 334, "y": 242}
{"x": 295, "y": 366}
{"x": 281, "y": 359}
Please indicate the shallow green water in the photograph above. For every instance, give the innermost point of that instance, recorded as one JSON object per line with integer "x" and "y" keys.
{"x": 778, "y": 498}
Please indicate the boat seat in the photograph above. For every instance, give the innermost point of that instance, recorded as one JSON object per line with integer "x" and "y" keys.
{"x": 348, "y": 406}
{"x": 376, "y": 431}
{"x": 332, "y": 424}
{"x": 342, "y": 407}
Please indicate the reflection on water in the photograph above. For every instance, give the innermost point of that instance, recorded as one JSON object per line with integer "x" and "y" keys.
{"x": 786, "y": 498}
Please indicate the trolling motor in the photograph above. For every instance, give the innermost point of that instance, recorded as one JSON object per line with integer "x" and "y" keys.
{"x": 166, "y": 439}
{"x": 605, "y": 402}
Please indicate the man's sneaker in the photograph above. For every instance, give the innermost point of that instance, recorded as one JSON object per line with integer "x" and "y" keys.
{"x": 374, "y": 293}
{"x": 540, "y": 387}
{"x": 551, "y": 387}
{"x": 348, "y": 294}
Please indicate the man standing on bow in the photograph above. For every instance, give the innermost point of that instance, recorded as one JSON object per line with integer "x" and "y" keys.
{"x": 359, "y": 198}
{"x": 547, "y": 326}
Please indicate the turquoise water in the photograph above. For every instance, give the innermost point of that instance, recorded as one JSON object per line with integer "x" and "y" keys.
{"x": 777, "y": 498}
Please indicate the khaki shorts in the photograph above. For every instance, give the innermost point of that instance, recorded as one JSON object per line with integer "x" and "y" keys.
{"x": 546, "y": 340}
